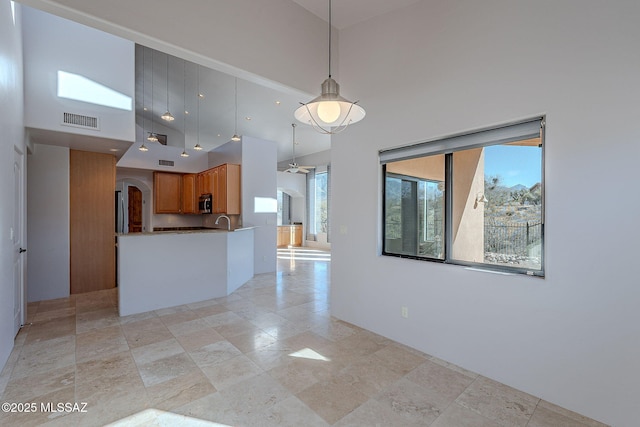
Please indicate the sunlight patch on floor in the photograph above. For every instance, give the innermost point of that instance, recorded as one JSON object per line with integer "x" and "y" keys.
{"x": 157, "y": 418}
{"x": 303, "y": 254}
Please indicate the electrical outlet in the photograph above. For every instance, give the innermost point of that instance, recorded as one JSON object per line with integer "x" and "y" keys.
{"x": 405, "y": 312}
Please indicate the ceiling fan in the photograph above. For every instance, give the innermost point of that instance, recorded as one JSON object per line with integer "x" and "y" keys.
{"x": 294, "y": 167}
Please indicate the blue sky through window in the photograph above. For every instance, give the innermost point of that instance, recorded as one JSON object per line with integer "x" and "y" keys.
{"x": 514, "y": 164}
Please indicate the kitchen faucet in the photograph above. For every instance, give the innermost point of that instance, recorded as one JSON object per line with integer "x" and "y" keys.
{"x": 228, "y": 221}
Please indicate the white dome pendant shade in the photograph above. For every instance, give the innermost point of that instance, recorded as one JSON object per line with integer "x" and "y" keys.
{"x": 329, "y": 113}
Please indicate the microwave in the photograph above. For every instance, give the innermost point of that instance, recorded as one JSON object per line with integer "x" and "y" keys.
{"x": 204, "y": 203}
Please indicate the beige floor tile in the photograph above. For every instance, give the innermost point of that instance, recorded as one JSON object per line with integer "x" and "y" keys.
{"x": 369, "y": 375}
{"x": 189, "y": 327}
{"x": 238, "y": 327}
{"x": 179, "y": 317}
{"x": 443, "y": 384}
{"x": 498, "y": 402}
{"x": 100, "y": 380}
{"x": 54, "y": 328}
{"x": 399, "y": 359}
{"x": 291, "y": 412}
{"x": 200, "y": 338}
{"x": 251, "y": 341}
{"x": 28, "y": 388}
{"x": 415, "y": 404}
{"x": 159, "y": 350}
{"x": 332, "y": 399}
{"x": 231, "y": 371}
{"x": 35, "y": 416}
{"x": 45, "y": 356}
{"x": 165, "y": 369}
{"x": 97, "y": 319}
{"x": 180, "y": 390}
{"x": 550, "y": 415}
{"x": 215, "y": 353}
{"x": 459, "y": 416}
{"x": 374, "y": 414}
{"x": 98, "y": 343}
{"x": 146, "y": 332}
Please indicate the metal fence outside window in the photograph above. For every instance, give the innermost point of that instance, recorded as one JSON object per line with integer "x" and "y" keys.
{"x": 511, "y": 238}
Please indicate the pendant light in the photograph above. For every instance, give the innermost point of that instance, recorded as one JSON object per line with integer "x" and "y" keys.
{"x": 152, "y": 136}
{"x": 329, "y": 113}
{"x": 143, "y": 147}
{"x": 198, "y": 147}
{"x": 184, "y": 108}
{"x": 235, "y": 136}
{"x": 167, "y": 115}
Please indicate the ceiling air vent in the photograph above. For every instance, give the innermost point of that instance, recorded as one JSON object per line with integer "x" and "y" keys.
{"x": 80, "y": 121}
{"x": 165, "y": 162}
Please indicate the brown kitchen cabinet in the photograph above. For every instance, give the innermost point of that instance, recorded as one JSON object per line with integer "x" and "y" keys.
{"x": 223, "y": 182}
{"x": 226, "y": 189}
{"x": 190, "y": 193}
{"x": 205, "y": 182}
{"x": 167, "y": 192}
{"x": 289, "y": 235}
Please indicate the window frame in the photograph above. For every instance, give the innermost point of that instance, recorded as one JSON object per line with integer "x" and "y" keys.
{"x": 441, "y": 143}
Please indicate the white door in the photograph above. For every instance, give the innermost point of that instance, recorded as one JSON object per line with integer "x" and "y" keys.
{"x": 17, "y": 234}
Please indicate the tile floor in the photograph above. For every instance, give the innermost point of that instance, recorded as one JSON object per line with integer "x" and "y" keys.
{"x": 268, "y": 355}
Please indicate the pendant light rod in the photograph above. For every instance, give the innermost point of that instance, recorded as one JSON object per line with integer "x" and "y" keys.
{"x": 167, "y": 115}
{"x": 198, "y": 147}
{"x": 235, "y": 136}
{"x": 144, "y": 130}
{"x": 152, "y": 136}
{"x": 329, "y": 38}
{"x": 184, "y": 108}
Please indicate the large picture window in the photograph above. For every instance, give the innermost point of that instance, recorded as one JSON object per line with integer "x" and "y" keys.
{"x": 474, "y": 199}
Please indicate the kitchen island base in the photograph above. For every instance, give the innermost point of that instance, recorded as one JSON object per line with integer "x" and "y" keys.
{"x": 162, "y": 270}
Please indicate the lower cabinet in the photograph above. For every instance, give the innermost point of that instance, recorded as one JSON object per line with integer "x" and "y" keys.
{"x": 289, "y": 235}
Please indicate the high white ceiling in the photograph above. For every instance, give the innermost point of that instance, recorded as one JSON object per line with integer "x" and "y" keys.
{"x": 262, "y": 112}
{"x": 346, "y": 13}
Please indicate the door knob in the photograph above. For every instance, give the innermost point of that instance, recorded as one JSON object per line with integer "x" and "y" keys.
{"x": 22, "y": 250}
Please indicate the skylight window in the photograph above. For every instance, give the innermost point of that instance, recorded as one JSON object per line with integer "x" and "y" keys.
{"x": 80, "y": 88}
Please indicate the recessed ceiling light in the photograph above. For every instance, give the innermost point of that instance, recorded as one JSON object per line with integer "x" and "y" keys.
{"x": 218, "y": 134}
{"x": 145, "y": 109}
{"x": 186, "y": 112}
{"x": 200, "y": 95}
{"x": 113, "y": 150}
{"x": 278, "y": 102}
{"x": 247, "y": 118}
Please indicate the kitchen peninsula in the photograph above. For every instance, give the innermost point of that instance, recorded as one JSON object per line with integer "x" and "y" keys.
{"x": 165, "y": 269}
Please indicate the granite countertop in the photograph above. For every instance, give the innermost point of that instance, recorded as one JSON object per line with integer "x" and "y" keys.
{"x": 183, "y": 230}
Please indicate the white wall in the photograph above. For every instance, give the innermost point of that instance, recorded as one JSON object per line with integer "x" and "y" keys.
{"x": 11, "y": 129}
{"x": 259, "y": 160}
{"x": 48, "y": 222}
{"x": 53, "y": 44}
{"x": 571, "y": 338}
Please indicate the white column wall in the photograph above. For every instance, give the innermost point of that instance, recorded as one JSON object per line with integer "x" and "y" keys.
{"x": 441, "y": 67}
{"x": 258, "y": 175}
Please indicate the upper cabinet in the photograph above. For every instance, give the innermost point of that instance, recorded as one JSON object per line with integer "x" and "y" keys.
{"x": 178, "y": 193}
{"x": 167, "y": 192}
{"x": 226, "y": 189}
{"x": 190, "y": 193}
